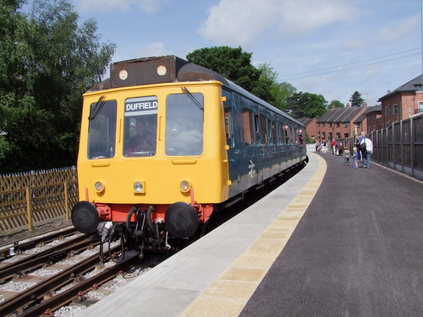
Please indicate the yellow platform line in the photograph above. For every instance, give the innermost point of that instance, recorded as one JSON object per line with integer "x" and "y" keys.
{"x": 230, "y": 292}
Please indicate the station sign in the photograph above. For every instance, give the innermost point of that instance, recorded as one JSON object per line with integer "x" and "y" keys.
{"x": 141, "y": 106}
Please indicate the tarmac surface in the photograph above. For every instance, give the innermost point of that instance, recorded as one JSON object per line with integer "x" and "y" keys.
{"x": 331, "y": 241}
{"x": 358, "y": 250}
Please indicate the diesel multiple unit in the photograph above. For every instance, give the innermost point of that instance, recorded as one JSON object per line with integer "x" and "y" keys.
{"x": 165, "y": 142}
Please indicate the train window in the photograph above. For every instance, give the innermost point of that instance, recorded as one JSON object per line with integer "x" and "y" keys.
{"x": 140, "y": 126}
{"x": 228, "y": 127}
{"x": 247, "y": 126}
{"x": 102, "y": 130}
{"x": 228, "y": 118}
{"x": 184, "y": 124}
{"x": 286, "y": 133}
{"x": 291, "y": 135}
{"x": 274, "y": 134}
{"x": 263, "y": 130}
{"x": 280, "y": 133}
{"x": 257, "y": 128}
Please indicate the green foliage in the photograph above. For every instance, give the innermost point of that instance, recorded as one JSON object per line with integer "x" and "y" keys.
{"x": 232, "y": 63}
{"x": 335, "y": 104}
{"x": 306, "y": 105}
{"x": 235, "y": 65}
{"x": 46, "y": 62}
{"x": 356, "y": 100}
{"x": 275, "y": 93}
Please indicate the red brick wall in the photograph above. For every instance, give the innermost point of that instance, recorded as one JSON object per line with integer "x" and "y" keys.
{"x": 343, "y": 128}
{"x": 311, "y": 129}
{"x": 407, "y": 102}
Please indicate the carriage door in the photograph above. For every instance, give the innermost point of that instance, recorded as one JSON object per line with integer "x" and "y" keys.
{"x": 230, "y": 141}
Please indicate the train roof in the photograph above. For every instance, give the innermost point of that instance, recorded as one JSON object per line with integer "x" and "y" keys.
{"x": 165, "y": 69}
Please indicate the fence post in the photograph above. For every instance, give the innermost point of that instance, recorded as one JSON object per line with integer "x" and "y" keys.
{"x": 412, "y": 146}
{"x": 66, "y": 200}
{"x": 29, "y": 208}
{"x": 401, "y": 146}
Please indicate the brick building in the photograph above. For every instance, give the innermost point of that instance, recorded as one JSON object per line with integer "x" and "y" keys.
{"x": 403, "y": 102}
{"x": 311, "y": 127}
{"x": 341, "y": 123}
{"x": 374, "y": 118}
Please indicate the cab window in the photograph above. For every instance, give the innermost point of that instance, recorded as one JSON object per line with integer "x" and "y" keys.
{"x": 140, "y": 126}
{"x": 184, "y": 124}
{"x": 102, "y": 129}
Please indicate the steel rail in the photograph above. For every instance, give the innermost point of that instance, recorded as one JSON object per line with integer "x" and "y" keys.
{"x": 29, "y": 297}
{"x": 46, "y": 256}
{"x": 67, "y": 296}
{"x": 4, "y": 252}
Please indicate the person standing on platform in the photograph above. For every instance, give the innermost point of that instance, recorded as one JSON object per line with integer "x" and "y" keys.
{"x": 355, "y": 155}
{"x": 346, "y": 157}
{"x": 369, "y": 152}
{"x": 334, "y": 146}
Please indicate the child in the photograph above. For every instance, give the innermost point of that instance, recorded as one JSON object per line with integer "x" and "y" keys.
{"x": 355, "y": 154}
{"x": 346, "y": 154}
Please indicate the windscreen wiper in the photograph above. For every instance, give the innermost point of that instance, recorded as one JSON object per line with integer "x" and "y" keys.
{"x": 97, "y": 107}
{"x": 195, "y": 101}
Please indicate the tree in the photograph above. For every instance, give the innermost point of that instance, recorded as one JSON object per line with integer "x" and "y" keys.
{"x": 335, "y": 104}
{"x": 306, "y": 105}
{"x": 232, "y": 63}
{"x": 273, "y": 92}
{"x": 46, "y": 62}
{"x": 356, "y": 100}
{"x": 235, "y": 65}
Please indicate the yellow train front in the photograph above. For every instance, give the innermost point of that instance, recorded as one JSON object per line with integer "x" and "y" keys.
{"x": 157, "y": 147}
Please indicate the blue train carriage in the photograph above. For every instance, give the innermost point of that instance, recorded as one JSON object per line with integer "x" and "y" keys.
{"x": 201, "y": 141}
{"x": 263, "y": 141}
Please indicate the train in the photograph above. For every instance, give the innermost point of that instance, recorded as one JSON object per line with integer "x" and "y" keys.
{"x": 164, "y": 143}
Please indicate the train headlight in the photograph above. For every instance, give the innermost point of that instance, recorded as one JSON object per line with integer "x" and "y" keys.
{"x": 139, "y": 187}
{"x": 185, "y": 186}
{"x": 99, "y": 187}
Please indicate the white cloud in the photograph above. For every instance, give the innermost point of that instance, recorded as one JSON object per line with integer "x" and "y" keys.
{"x": 390, "y": 34}
{"x": 155, "y": 49}
{"x": 240, "y": 22}
{"x": 148, "y": 6}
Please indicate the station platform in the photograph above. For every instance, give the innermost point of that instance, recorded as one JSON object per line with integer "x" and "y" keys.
{"x": 331, "y": 241}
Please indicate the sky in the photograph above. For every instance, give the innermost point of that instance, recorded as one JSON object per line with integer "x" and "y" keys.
{"x": 327, "y": 47}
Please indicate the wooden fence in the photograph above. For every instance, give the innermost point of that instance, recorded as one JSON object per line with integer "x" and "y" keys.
{"x": 400, "y": 146}
{"x": 36, "y": 197}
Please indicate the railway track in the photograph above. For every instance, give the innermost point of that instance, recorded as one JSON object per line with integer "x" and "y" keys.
{"x": 46, "y": 280}
{"x": 17, "y": 247}
{"x": 21, "y": 264}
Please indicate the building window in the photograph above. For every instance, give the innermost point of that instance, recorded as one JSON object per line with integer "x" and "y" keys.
{"x": 386, "y": 111}
{"x": 346, "y": 125}
{"x": 420, "y": 106}
{"x": 395, "y": 109}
